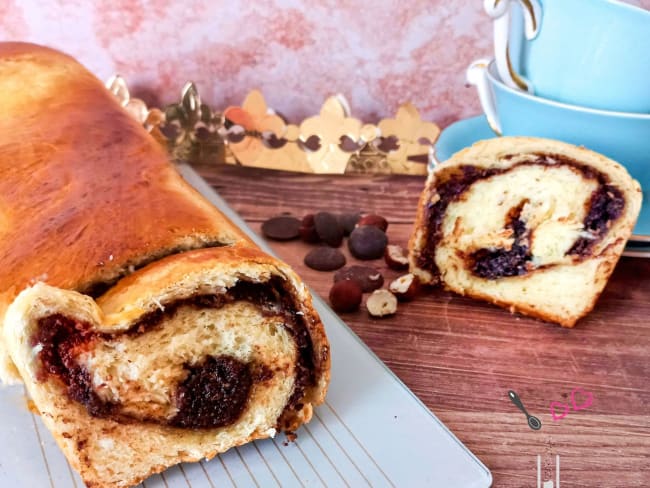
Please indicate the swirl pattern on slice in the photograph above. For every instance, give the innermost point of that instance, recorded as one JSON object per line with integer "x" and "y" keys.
{"x": 188, "y": 357}
{"x": 494, "y": 216}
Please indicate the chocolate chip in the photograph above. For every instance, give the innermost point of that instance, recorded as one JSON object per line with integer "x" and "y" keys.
{"x": 307, "y": 229}
{"x": 367, "y": 242}
{"x": 325, "y": 259}
{"x": 282, "y": 228}
{"x": 348, "y": 221}
{"x": 368, "y": 277}
{"x": 328, "y": 229}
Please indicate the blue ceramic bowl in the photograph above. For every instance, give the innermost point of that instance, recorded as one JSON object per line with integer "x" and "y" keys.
{"x": 593, "y": 53}
{"x": 624, "y": 137}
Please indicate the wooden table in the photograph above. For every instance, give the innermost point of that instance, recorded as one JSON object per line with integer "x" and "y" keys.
{"x": 461, "y": 356}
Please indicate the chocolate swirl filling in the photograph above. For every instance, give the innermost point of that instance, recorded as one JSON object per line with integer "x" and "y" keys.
{"x": 605, "y": 206}
{"x": 496, "y": 263}
{"x": 215, "y": 391}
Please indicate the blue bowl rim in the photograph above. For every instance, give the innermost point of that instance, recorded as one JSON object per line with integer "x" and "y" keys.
{"x": 628, "y": 6}
{"x": 565, "y": 106}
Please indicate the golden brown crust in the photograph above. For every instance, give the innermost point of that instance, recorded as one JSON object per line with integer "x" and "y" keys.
{"x": 417, "y": 240}
{"x": 82, "y": 181}
{"x": 85, "y": 193}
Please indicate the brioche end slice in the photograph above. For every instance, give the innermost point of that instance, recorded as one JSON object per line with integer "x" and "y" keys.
{"x": 515, "y": 221}
{"x": 129, "y": 423}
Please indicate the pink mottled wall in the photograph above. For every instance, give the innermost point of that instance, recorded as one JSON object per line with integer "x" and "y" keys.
{"x": 378, "y": 53}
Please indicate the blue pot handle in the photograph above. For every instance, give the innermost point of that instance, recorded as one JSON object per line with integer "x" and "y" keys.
{"x": 476, "y": 75}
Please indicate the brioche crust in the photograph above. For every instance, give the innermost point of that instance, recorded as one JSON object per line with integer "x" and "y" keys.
{"x": 547, "y": 189}
{"x": 85, "y": 193}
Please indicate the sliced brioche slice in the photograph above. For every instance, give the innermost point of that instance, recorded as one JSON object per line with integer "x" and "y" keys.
{"x": 184, "y": 359}
{"x": 530, "y": 224}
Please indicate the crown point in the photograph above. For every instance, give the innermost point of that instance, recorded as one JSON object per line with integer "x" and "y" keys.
{"x": 369, "y": 132}
{"x": 336, "y": 106}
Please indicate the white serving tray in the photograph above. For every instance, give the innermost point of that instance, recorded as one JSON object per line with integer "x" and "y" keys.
{"x": 371, "y": 431}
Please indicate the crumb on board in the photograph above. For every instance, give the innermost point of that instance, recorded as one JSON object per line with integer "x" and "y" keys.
{"x": 291, "y": 437}
{"x": 31, "y": 406}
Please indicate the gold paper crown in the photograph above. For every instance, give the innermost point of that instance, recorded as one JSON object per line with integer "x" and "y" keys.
{"x": 255, "y": 135}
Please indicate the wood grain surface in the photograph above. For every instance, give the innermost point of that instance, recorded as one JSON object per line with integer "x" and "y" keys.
{"x": 461, "y": 356}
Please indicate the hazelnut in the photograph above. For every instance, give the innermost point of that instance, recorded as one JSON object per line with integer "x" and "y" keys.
{"x": 345, "y": 296}
{"x": 396, "y": 258}
{"x": 405, "y": 287}
{"x": 307, "y": 229}
{"x": 381, "y": 303}
{"x": 375, "y": 220}
{"x": 369, "y": 278}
